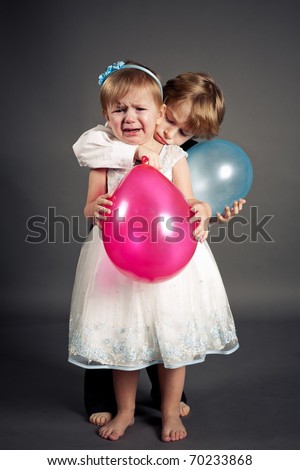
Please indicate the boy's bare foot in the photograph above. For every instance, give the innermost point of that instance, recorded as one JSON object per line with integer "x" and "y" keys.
{"x": 100, "y": 418}
{"x": 172, "y": 428}
{"x": 184, "y": 409}
{"x": 115, "y": 428}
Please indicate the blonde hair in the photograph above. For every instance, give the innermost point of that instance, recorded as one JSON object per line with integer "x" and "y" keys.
{"x": 206, "y": 98}
{"x": 119, "y": 83}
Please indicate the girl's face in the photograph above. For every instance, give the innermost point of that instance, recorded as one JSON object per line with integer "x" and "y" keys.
{"x": 173, "y": 129}
{"x": 134, "y": 118}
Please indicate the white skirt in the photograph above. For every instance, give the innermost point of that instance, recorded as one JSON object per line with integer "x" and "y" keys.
{"x": 119, "y": 323}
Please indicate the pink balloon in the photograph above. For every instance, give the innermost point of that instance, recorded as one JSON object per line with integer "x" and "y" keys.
{"x": 148, "y": 236}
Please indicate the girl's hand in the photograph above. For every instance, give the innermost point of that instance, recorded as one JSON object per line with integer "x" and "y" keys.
{"x": 202, "y": 214}
{"x": 99, "y": 209}
{"x": 229, "y": 213}
{"x": 154, "y": 158}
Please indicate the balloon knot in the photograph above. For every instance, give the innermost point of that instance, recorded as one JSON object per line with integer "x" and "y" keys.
{"x": 145, "y": 159}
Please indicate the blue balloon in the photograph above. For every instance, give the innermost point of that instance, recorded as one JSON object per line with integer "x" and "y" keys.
{"x": 221, "y": 173}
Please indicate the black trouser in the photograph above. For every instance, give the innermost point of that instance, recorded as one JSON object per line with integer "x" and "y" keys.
{"x": 99, "y": 392}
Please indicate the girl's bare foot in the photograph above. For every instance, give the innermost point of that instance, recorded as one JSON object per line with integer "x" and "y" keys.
{"x": 115, "y": 428}
{"x": 100, "y": 418}
{"x": 172, "y": 428}
{"x": 184, "y": 409}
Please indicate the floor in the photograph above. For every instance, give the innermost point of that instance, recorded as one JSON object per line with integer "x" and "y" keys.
{"x": 248, "y": 400}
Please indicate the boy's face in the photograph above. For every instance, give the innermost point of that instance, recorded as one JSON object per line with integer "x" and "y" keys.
{"x": 134, "y": 118}
{"x": 173, "y": 129}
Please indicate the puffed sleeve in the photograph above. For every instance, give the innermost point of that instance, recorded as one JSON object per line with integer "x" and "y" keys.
{"x": 99, "y": 148}
{"x": 170, "y": 155}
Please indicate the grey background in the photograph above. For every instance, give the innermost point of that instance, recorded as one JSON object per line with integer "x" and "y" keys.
{"x": 52, "y": 54}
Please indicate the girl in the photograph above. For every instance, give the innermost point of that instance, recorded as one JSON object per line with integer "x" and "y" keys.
{"x": 194, "y": 108}
{"x": 112, "y": 317}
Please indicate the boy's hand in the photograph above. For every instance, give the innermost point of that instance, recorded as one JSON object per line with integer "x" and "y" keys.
{"x": 154, "y": 158}
{"x": 229, "y": 213}
{"x": 202, "y": 214}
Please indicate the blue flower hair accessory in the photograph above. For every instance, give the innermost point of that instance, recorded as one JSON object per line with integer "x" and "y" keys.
{"x": 110, "y": 69}
{"x": 121, "y": 65}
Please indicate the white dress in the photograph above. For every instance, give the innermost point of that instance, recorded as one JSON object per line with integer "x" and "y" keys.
{"x": 119, "y": 323}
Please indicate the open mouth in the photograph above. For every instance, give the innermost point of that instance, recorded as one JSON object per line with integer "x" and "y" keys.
{"x": 131, "y": 132}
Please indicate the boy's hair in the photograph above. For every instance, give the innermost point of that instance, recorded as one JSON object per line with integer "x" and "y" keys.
{"x": 207, "y": 100}
{"x": 118, "y": 84}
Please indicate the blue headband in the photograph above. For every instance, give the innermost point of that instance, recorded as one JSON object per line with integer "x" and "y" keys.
{"x": 121, "y": 65}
